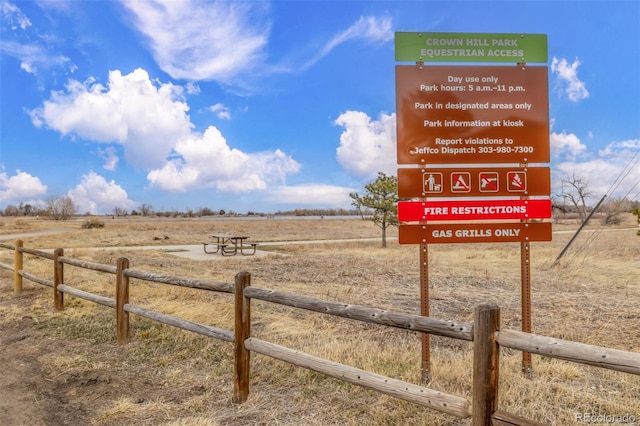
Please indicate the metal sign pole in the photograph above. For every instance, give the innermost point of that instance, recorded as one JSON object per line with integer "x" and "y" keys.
{"x": 424, "y": 311}
{"x": 525, "y": 264}
{"x": 424, "y": 303}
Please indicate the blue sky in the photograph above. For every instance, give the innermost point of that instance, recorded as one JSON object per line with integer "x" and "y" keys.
{"x": 268, "y": 106}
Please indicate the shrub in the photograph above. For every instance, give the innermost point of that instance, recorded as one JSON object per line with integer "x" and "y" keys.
{"x": 93, "y": 223}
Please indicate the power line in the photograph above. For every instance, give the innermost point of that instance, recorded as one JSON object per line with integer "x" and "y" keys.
{"x": 631, "y": 189}
{"x": 626, "y": 171}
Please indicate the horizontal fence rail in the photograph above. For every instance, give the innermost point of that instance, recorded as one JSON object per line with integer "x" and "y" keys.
{"x": 87, "y": 265}
{"x": 611, "y": 359}
{"x": 38, "y": 253}
{"x": 100, "y": 300}
{"x": 35, "y": 279}
{"x": 180, "y": 282}
{"x": 7, "y": 246}
{"x": 456, "y": 330}
{"x": 484, "y": 332}
{"x": 205, "y": 330}
{"x": 442, "y": 402}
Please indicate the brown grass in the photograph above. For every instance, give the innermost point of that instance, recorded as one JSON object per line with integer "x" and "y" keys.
{"x": 592, "y": 296}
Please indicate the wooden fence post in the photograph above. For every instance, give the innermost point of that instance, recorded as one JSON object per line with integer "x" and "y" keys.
{"x": 58, "y": 278}
{"x": 485, "y": 363}
{"x": 122, "y": 298}
{"x": 17, "y": 267}
{"x": 242, "y": 332}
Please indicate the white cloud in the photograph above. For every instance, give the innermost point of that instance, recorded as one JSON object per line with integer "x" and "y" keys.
{"x": 598, "y": 174}
{"x": 97, "y": 196}
{"x": 36, "y": 54}
{"x": 568, "y": 81}
{"x": 227, "y": 41}
{"x": 192, "y": 88}
{"x": 568, "y": 145}
{"x": 197, "y": 40}
{"x": 204, "y": 161}
{"x": 368, "y": 28}
{"x": 626, "y": 149}
{"x": 150, "y": 121}
{"x": 220, "y": 111}
{"x": 110, "y": 158}
{"x": 12, "y": 15}
{"x": 367, "y": 147}
{"x": 323, "y": 196}
{"x": 145, "y": 118}
{"x": 615, "y": 168}
{"x": 21, "y": 187}
{"x": 33, "y": 57}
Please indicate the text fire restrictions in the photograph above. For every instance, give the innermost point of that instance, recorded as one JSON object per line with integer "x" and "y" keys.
{"x": 410, "y": 211}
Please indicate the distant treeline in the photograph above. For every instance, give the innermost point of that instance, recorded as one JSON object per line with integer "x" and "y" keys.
{"x": 320, "y": 212}
{"x": 63, "y": 208}
{"x": 230, "y": 213}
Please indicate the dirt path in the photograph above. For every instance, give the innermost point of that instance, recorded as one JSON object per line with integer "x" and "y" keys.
{"x": 28, "y": 396}
{"x": 11, "y": 237}
{"x": 196, "y": 251}
{"x": 37, "y": 389}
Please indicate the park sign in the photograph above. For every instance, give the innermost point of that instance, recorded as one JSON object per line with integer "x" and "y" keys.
{"x": 485, "y": 209}
{"x": 473, "y": 182}
{"x": 470, "y": 47}
{"x": 452, "y": 233}
{"x": 472, "y": 114}
{"x": 453, "y": 116}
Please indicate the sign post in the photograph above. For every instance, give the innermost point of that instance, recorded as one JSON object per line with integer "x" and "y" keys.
{"x": 485, "y": 125}
{"x": 424, "y": 311}
{"x": 525, "y": 293}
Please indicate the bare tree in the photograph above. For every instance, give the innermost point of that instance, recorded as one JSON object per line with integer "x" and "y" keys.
{"x": 60, "y": 208}
{"x": 11, "y": 210}
{"x": 575, "y": 192}
{"x": 145, "y": 209}
{"x": 205, "y": 211}
{"x": 119, "y": 211}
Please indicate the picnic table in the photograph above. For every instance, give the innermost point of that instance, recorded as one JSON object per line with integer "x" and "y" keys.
{"x": 230, "y": 245}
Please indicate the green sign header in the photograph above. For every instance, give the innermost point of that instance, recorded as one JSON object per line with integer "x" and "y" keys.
{"x": 470, "y": 47}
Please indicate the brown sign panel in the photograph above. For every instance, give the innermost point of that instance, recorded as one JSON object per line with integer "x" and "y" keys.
{"x": 472, "y": 114}
{"x": 450, "y": 233}
{"x": 484, "y": 209}
{"x": 474, "y": 182}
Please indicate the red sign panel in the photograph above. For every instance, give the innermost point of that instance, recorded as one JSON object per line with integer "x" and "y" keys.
{"x": 472, "y": 114}
{"x": 410, "y": 211}
{"x": 474, "y": 182}
{"x": 450, "y": 233}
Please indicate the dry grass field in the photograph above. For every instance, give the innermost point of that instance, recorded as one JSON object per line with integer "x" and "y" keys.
{"x": 66, "y": 368}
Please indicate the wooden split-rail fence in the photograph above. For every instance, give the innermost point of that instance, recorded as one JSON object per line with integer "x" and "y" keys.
{"x": 485, "y": 333}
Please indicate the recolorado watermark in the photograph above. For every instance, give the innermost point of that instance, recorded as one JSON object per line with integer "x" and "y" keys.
{"x": 599, "y": 418}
